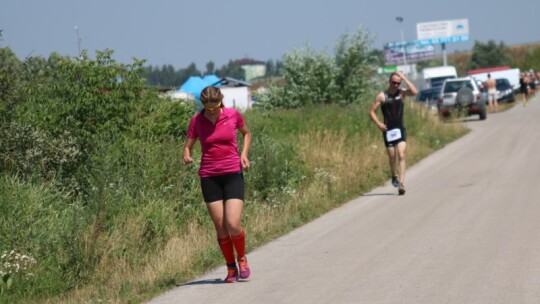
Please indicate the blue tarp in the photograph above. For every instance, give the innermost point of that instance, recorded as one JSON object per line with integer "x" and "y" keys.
{"x": 195, "y": 84}
{"x": 212, "y": 80}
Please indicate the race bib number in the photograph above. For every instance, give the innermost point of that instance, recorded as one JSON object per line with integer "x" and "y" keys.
{"x": 393, "y": 134}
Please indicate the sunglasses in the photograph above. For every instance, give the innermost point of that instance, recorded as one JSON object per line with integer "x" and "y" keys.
{"x": 395, "y": 82}
{"x": 211, "y": 108}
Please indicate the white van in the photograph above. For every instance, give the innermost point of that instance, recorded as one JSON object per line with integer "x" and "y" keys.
{"x": 435, "y": 76}
{"x": 511, "y": 74}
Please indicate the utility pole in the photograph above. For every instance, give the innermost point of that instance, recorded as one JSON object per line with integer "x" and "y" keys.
{"x": 79, "y": 40}
{"x": 400, "y": 20}
{"x": 445, "y": 61}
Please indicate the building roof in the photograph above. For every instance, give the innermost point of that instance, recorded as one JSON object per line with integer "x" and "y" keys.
{"x": 249, "y": 61}
{"x": 231, "y": 82}
{"x": 487, "y": 70}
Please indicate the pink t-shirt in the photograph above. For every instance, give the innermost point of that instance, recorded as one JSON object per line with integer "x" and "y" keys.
{"x": 218, "y": 142}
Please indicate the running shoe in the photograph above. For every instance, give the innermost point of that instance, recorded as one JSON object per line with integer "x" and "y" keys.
{"x": 395, "y": 181}
{"x": 244, "y": 268}
{"x": 232, "y": 275}
{"x": 401, "y": 189}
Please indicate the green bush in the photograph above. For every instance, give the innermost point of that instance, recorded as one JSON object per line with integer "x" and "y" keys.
{"x": 317, "y": 78}
{"x": 84, "y": 97}
{"x": 277, "y": 169}
{"x": 10, "y": 82}
{"x": 162, "y": 118}
{"x": 355, "y": 62}
{"x": 32, "y": 153}
{"x": 309, "y": 78}
{"x": 57, "y": 111}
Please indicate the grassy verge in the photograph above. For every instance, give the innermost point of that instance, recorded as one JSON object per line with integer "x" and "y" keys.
{"x": 149, "y": 229}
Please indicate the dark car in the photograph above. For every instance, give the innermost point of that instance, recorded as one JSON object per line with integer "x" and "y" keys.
{"x": 429, "y": 96}
{"x": 505, "y": 92}
{"x": 431, "y": 93}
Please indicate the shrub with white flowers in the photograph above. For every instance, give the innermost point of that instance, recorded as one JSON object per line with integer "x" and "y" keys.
{"x": 13, "y": 264}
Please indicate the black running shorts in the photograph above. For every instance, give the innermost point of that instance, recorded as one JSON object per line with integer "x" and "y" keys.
{"x": 394, "y": 143}
{"x": 223, "y": 187}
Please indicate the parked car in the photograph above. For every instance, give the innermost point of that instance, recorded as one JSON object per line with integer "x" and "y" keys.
{"x": 483, "y": 89}
{"x": 429, "y": 94}
{"x": 505, "y": 91}
{"x": 429, "y": 97}
{"x": 462, "y": 94}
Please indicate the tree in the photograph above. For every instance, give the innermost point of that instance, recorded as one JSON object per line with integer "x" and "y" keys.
{"x": 270, "y": 68}
{"x": 309, "y": 80}
{"x": 273, "y": 68}
{"x": 428, "y": 63}
{"x": 355, "y": 62}
{"x": 11, "y": 69}
{"x": 489, "y": 54}
{"x": 36, "y": 66}
{"x": 61, "y": 113}
{"x": 81, "y": 96}
{"x": 525, "y": 57}
{"x": 169, "y": 75}
{"x": 191, "y": 70}
{"x": 378, "y": 56}
{"x": 210, "y": 67}
{"x": 8, "y": 58}
{"x": 317, "y": 78}
{"x": 232, "y": 69}
{"x": 534, "y": 62}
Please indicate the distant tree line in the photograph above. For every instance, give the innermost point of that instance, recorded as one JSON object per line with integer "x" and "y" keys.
{"x": 168, "y": 76}
{"x": 489, "y": 54}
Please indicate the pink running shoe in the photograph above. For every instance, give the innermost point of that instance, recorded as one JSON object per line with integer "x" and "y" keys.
{"x": 244, "y": 268}
{"x": 232, "y": 275}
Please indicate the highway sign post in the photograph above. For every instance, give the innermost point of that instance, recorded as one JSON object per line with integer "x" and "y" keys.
{"x": 442, "y": 32}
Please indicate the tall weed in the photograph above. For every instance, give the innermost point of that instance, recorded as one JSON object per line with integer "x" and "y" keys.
{"x": 37, "y": 221}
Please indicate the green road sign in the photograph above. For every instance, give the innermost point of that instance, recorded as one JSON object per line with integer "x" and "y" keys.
{"x": 389, "y": 69}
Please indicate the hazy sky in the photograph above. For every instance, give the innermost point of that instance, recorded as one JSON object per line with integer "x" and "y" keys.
{"x": 179, "y": 32}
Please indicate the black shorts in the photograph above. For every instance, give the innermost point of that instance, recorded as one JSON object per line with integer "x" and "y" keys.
{"x": 223, "y": 187}
{"x": 394, "y": 143}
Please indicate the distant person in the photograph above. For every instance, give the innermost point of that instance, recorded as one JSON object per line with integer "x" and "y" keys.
{"x": 524, "y": 88}
{"x": 393, "y": 128}
{"x": 222, "y": 181}
{"x": 491, "y": 86}
{"x": 532, "y": 83}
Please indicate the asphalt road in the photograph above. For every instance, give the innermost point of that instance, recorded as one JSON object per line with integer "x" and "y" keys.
{"x": 467, "y": 231}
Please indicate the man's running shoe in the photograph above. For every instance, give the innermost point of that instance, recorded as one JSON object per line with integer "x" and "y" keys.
{"x": 395, "y": 181}
{"x": 244, "y": 268}
{"x": 401, "y": 189}
{"x": 232, "y": 275}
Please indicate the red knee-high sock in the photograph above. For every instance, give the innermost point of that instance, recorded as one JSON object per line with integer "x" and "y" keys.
{"x": 227, "y": 249}
{"x": 239, "y": 242}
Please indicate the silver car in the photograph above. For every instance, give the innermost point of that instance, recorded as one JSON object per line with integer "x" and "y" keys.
{"x": 464, "y": 95}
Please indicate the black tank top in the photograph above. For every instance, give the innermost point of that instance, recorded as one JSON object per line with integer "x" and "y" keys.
{"x": 522, "y": 84}
{"x": 392, "y": 110}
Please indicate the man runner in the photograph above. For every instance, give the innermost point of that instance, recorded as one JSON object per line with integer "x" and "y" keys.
{"x": 393, "y": 128}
